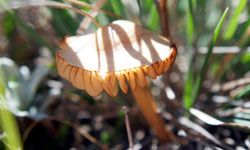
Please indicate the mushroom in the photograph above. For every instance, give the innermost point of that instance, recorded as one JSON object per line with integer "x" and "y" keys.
{"x": 121, "y": 54}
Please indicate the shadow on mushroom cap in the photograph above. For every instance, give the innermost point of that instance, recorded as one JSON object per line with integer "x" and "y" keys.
{"x": 121, "y": 51}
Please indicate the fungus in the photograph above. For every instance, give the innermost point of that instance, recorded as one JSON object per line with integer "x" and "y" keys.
{"x": 121, "y": 54}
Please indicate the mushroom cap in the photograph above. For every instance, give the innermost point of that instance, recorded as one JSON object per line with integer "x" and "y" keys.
{"x": 121, "y": 51}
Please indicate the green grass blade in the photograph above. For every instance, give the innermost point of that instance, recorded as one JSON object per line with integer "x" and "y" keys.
{"x": 202, "y": 73}
{"x": 217, "y": 30}
{"x": 243, "y": 93}
{"x": 63, "y": 22}
{"x": 8, "y": 124}
{"x": 153, "y": 20}
{"x": 190, "y": 23}
{"x": 117, "y": 6}
{"x": 188, "y": 88}
{"x": 233, "y": 23}
{"x": 149, "y": 15}
{"x": 194, "y": 4}
{"x": 189, "y": 33}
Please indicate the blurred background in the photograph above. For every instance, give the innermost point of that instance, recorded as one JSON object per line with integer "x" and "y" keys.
{"x": 204, "y": 98}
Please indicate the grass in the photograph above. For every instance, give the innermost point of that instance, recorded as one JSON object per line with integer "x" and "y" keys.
{"x": 64, "y": 22}
{"x": 234, "y": 19}
{"x": 190, "y": 34}
{"x": 190, "y": 23}
{"x": 8, "y": 125}
{"x": 194, "y": 88}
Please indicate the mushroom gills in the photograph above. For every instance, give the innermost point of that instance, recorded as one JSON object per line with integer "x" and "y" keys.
{"x": 149, "y": 71}
{"x": 160, "y": 68}
{"x": 131, "y": 78}
{"x": 140, "y": 78}
{"x": 110, "y": 84}
{"x": 79, "y": 79}
{"x": 96, "y": 82}
{"x": 122, "y": 81}
{"x": 89, "y": 87}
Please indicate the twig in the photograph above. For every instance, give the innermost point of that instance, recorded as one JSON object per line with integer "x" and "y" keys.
{"x": 28, "y": 130}
{"x": 81, "y": 131}
{"x": 80, "y": 3}
{"x": 94, "y": 12}
{"x": 87, "y": 135}
{"x": 128, "y": 128}
{"x": 215, "y": 122}
{"x": 192, "y": 125}
{"x": 216, "y": 50}
{"x": 163, "y": 12}
{"x": 22, "y": 4}
{"x": 84, "y": 4}
{"x": 235, "y": 83}
{"x": 228, "y": 86}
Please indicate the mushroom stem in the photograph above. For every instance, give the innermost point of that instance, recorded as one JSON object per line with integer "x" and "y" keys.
{"x": 146, "y": 102}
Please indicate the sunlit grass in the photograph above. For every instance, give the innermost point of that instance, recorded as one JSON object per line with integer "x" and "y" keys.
{"x": 189, "y": 100}
{"x": 234, "y": 20}
{"x": 8, "y": 124}
{"x": 188, "y": 33}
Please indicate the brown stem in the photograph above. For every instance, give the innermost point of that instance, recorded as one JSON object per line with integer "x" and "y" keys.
{"x": 84, "y": 4}
{"x": 94, "y": 12}
{"x": 146, "y": 102}
{"x": 163, "y": 12}
{"x": 128, "y": 128}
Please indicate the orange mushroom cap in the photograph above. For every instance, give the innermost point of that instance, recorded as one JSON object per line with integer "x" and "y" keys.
{"x": 119, "y": 53}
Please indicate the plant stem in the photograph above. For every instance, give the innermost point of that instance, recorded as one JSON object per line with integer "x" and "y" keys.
{"x": 86, "y": 5}
{"x": 8, "y": 124}
{"x": 163, "y": 12}
{"x": 128, "y": 128}
{"x": 94, "y": 12}
{"x": 54, "y": 4}
{"x": 201, "y": 76}
{"x": 146, "y": 102}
